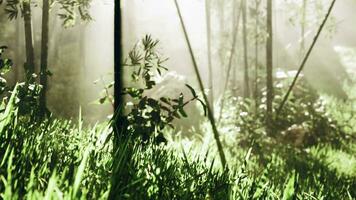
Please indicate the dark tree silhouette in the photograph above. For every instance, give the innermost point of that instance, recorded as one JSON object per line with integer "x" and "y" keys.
{"x": 67, "y": 14}
{"x": 244, "y": 38}
{"x": 269, "y": 60}
{"x": 44, "y": 55}
{"x": 30, "y": 52}
{"x": 118, "y": 123}
{"x": 118, "y": 102}
{"x": 257, "y": 18}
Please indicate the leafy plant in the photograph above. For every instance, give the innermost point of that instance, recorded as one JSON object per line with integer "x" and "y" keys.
{"x": 69, "y": 10}
{"x": 147, "y": 117}
{"x": 5, "y": 66}
{"x": 26, "y": 93}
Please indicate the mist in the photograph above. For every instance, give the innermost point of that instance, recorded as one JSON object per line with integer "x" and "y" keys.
{"x": 88, "y": 50}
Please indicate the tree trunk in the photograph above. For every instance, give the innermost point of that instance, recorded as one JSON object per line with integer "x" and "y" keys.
{"x": 18, "y": 52}
{"x": 30, "y": 54}
{"x": 222, "y": 15}
{"x": 221, "y": 40}
{"x": 257, "y": 2}
{"x": 118, "y": 119}
{"x": 233, "y": 50}
{"x": 236, "y": 15}
{"x": 54, "y": 39}
{"x": 208, "y": 32}
{"x": 118, "y": 55}
{"x": 302, "y": 23}
{"x": 118, "y": 74}
{"x": 269, "y": 59}
{"x": 44, "y": 55}
{"x": 244, "y": 35}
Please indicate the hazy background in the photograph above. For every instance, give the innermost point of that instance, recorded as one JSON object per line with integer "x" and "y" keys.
{"x": 84, "y": 53}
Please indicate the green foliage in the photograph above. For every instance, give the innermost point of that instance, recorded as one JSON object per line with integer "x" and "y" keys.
{"x": 303, "y": 122}
{"x": 343, "y": 110}
{"x": 9, "y": 111}
{"x": 52, "y": 159}
{"x": 307, "y": 108}
{"x": 69, "y": 9}
{"x": 147, "y": 117}
{"x": 314, "y": 13}
{"x": 289, "y": 191}
{"x": 5, "y": 66}
{"x": 23, "y": 96}
{"x": 157, "y": 172}
{"x": 57, "y": 159}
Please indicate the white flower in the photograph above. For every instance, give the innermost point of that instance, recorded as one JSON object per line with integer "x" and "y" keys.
{"x": 243, "y": 114}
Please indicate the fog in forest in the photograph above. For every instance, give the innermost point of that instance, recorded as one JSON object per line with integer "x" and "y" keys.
{"x": 83, "y": 54}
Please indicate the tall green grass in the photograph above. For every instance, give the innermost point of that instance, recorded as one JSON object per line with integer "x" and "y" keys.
{"x": 60, "y": 159}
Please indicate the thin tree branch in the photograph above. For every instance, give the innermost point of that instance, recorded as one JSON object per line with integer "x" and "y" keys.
{"x": 233, "y": 47}
{"x": 257, "y": 4}
{"x": 244, "y": 41}
{"x": 210, "y": 114}
{"x": 210, "y": 67}
{"x": 306, "y": 57}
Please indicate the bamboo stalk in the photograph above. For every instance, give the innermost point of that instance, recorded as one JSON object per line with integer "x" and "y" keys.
{"x": 269, "y": 68}
{"x": 245, "y": 44}
{"x": 209, "y": 54}
{"x": 235, "y": 34}
{"x": 209, "y": 111}
{"x": 44, "y": 56}
{"x": 257, "y": 4}
{"x": 30, "y": 52}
